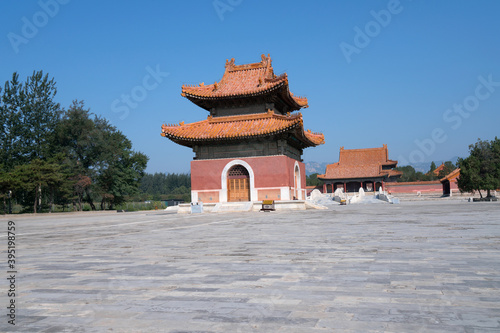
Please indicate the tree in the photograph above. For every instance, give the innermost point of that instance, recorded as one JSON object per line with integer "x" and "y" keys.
{"x": 6, "y": 187}
{"x": 34, "y": 176}
{"x": 75, "y": 135}
{"x": 312, "y": 180}
{"x": 40, "y": 115}
{"x": 11, "y": 127}
{"x": 119, "y": 169}
{"x": 433, "y": 167}
{"x": 481, "y": 170}
{"x": 27, "y": 121}
{"x": 81, "y": 183}
{"x": 61, "y": 185}
{"x": 409, "y": 174}
{"x": 160, "y": 186}
{"x": 121, "y": 178}
{"x": 98, "y": 152}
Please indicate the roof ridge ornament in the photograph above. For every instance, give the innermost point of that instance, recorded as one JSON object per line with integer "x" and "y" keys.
{"x": 230, "y": 63}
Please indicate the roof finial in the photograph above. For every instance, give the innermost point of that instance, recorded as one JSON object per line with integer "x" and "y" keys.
{"x": 229, "y": 63}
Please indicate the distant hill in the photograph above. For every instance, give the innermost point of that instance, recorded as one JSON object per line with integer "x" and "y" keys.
{"x": 315, "y": 167}
{"x": 425, "y": 166}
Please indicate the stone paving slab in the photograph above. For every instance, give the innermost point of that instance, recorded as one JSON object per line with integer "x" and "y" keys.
{"x": 429, "y": 266}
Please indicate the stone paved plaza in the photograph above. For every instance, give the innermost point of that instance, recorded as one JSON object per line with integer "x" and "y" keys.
{"x": 429, "y": 266}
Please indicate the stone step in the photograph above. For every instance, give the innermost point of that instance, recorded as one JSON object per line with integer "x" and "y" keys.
{"x": 243, "y": 206}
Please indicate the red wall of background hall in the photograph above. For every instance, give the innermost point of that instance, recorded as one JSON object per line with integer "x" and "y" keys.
{"x": 422, "y": 187}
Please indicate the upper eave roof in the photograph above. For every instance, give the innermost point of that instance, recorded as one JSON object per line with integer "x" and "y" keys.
{"x": 242, "y": 81}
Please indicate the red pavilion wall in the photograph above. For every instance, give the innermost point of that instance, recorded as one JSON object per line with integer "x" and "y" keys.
{"x": 271, "y": 174}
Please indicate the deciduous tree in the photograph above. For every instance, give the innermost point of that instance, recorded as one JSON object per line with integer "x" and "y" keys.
{"x": 481, "y": 170}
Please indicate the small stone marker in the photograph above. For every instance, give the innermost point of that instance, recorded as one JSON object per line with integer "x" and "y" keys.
{"x": 196, "y": 207}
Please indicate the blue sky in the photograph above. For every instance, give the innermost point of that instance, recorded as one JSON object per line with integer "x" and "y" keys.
{"x": 422, "y": 77}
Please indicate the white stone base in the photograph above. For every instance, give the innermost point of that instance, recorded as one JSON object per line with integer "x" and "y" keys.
{"x": 246, "y": 206}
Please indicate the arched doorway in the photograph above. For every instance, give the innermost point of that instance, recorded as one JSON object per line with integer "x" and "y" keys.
{"x": 238, "y": 184}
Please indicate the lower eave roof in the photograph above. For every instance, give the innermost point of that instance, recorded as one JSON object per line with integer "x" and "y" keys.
{"x": 241, "y": 127}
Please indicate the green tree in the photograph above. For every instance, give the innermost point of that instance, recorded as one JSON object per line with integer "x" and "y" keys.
{"x": 61, "y": 186}
{"x": 6, "y": 187}
{"x": 81, "y": 183}
{"x": 409, "y": 174}
{"x": 433, "y": 167}
{"x": 312, "y": 180}
{"x": 98, "y": 152}
{"x": 33, "y": 177}
{"x": 11, "y": 127}
{"x": 119, "y": 169}
{"x": 481, "y": 170}
{"x": 75, "y": 135}
{"x": 28, "y": 118}
{"x": 160, "y": 184}
{"x": 121, "y": 178}
{"x": 40, "y": 114}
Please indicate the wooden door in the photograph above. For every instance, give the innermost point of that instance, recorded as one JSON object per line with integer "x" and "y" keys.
{"x": 238, "y": 184}
{"x": 238, "y": 189}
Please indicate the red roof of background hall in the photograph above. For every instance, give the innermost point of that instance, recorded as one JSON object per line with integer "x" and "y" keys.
{"x": 245, "y": 81}
{"x": 361, "y": 163}
{"x": 239, "y": 127}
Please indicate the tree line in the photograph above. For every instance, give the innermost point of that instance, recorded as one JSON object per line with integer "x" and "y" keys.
{"x": 55, "y": 156}
{"x": 161, "y": 186}
{"x": 411, "y": 175}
